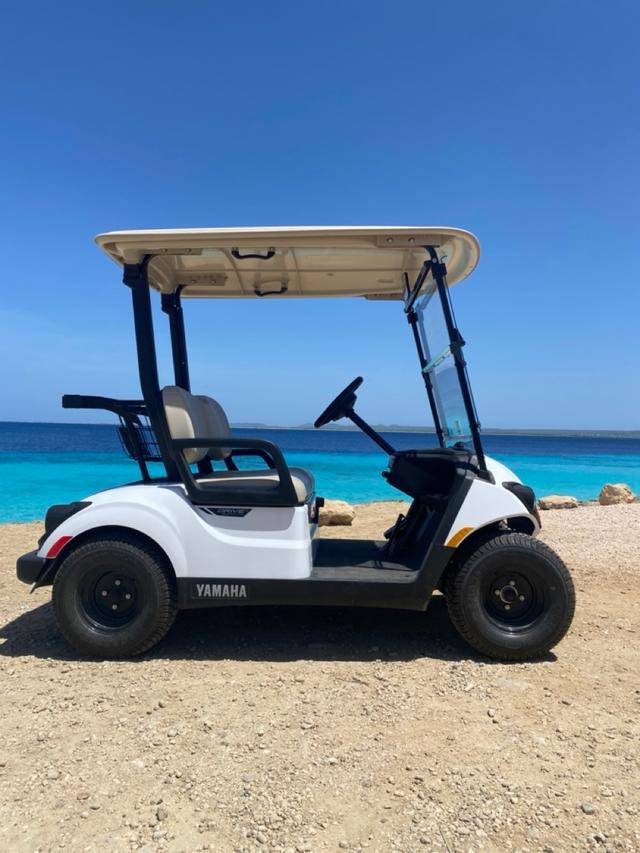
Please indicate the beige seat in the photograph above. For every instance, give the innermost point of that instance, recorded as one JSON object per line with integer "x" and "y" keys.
{"x": 198, "y": 416}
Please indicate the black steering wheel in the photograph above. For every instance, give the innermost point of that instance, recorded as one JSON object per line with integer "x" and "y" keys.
{"x": 342, "y": 404}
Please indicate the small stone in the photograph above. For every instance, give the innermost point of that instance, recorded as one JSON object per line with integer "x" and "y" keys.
{"x": 588, "y": 808}
{"x": 491, "y": 713}
{"x": 343, "y": 845}
{"x": 53, "y": 774}
{"x": 332, "y": 760}
{"x": 162, "y": 813}
{"x": 172, "y": 733}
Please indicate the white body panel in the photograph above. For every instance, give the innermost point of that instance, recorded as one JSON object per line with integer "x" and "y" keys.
{"x": 268, "y": 542}
{"x": 487, "y": 503}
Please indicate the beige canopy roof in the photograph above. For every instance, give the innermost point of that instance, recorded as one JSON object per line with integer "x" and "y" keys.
{"x": 297, "y": 262}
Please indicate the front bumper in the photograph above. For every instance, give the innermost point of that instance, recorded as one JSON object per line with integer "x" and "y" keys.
{"x": 29, "y": 567}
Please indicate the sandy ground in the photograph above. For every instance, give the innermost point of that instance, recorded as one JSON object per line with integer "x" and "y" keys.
{"x": 317, "y": 730}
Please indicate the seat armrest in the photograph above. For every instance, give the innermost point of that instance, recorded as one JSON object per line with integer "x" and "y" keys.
{"x": 283, "y": 495}
{"x": 261, "y": 454}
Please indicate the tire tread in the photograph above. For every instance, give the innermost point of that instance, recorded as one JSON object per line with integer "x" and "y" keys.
{"x": 460, "y": 571}
{"x": 161, "y": 574}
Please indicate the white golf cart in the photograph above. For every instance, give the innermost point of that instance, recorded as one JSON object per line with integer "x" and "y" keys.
{"x": 211, "y": 532}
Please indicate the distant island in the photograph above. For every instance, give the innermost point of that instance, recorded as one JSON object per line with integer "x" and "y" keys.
{"x": 584, "y": 433}
{"x": 348, "y": 427}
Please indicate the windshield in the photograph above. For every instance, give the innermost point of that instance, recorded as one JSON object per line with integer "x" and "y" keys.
{"x": 441, "y": 368}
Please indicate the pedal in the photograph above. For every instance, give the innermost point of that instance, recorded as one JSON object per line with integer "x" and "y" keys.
{"x": 388, "y": 534}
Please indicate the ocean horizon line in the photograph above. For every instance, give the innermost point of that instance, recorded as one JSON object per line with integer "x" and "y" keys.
{"x": 389, "y": 428}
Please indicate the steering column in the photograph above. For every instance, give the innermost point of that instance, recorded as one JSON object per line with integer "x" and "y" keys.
{"x": 342, "y": 407}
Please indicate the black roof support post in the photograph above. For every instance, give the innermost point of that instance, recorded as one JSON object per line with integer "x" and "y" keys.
{"x": 135, "y": 277}
{"x": 172, "y": 307}
{"x": 456, "y": 342}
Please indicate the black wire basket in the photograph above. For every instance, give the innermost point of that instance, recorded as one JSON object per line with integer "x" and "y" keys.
{"x": 139, "y": 441}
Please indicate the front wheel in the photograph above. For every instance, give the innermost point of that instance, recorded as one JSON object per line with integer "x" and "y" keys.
{"x": 512, "y": 598}
{"x": 114, "y": 596}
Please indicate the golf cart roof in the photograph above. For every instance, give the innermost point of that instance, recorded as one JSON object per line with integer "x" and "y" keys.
{"x": 308, "y": 261}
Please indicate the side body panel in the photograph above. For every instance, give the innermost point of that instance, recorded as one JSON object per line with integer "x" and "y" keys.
{"x": 262, "y": 542}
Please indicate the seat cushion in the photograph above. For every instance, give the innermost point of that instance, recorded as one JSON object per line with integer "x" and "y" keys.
{"x": 186, "y": 419}
{"x": 217, "y": 425}
{"x": 302, "y": 479}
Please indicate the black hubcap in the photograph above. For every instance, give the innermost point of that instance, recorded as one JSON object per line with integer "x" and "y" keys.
{"x": 109, "y": 598}
{"x": 513, "y": 600}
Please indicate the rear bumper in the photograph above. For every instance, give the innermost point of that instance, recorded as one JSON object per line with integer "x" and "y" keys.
{"x": 29, "y": 567}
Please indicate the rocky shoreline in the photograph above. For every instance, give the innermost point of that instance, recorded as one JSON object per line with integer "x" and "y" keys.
{"x": 341, "y": 513}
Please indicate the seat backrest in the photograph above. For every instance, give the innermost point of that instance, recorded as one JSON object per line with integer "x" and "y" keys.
{"x": 186, "y": 418}
{"x": 217, "y": 425}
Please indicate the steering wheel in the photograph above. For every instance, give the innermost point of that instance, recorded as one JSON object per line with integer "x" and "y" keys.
{"x": 342, "y": 404}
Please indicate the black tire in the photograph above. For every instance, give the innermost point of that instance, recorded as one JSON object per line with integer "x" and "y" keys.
{"x": 511, "y": 598}
{"x": 114, "y": 597}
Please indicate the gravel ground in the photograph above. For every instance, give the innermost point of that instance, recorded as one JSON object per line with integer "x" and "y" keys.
{"x": 327, "y": 730}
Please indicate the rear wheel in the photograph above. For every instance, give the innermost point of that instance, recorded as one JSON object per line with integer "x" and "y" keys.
{"x": 114, "y": 597}
{"x": 512, "y": 598}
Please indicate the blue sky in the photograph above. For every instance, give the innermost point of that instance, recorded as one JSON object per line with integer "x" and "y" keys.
{"x": 518, "y": 121}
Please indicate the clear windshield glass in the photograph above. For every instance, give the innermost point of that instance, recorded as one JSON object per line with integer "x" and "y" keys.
{"x": 441, "y": 367}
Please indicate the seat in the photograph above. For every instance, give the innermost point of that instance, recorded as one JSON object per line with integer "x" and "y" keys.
{"x": 260, "y": 479}
{"x": 199, "y": 416}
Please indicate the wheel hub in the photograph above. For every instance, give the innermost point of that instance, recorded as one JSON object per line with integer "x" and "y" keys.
{"x": 511, "y": 596}
{"x": 115, "y": 595}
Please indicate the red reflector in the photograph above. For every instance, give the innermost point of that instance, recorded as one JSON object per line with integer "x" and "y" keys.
{"x": 57, "y": 546}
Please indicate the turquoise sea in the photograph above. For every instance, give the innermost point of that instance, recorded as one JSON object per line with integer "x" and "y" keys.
{"x": 43, "y": 464}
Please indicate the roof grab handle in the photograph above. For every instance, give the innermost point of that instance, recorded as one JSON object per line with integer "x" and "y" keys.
{"x": 236, "y": 254}
{"x": 283, "y": 289}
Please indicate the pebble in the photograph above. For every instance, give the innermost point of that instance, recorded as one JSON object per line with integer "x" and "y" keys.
{"x": 162, "y": 813}
{"x": 588, "y": 808}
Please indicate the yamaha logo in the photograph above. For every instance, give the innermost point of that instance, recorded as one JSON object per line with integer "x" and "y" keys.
{"x": 220, "y": 590}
